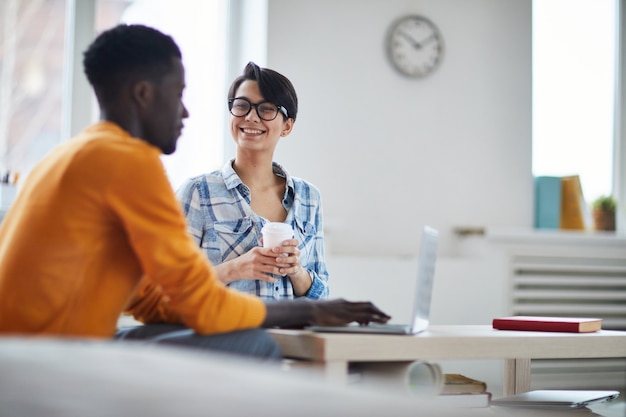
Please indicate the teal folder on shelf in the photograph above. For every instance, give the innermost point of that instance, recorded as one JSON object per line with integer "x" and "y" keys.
{"x": 547, "y": 202}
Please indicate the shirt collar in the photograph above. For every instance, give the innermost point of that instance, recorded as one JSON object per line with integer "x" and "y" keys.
{"x": 232, "y": 180}
{"x": 105, "y": 126}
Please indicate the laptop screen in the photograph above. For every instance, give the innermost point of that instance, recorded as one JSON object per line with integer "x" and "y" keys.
{"x": 425, "y": 276}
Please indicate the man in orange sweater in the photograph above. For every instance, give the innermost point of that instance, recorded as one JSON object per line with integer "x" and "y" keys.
{"x": 96, "y": 228}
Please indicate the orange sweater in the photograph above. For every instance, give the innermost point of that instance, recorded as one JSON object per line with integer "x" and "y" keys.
{"x": 93, "y": 218}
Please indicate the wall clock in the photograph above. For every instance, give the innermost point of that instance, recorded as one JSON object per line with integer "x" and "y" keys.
{"x": 414, "y": 46}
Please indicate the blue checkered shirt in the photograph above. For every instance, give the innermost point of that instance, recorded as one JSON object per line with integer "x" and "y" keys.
{"x": 221, "y": 221}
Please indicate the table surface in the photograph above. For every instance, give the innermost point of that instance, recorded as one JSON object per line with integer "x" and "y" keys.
{"x": 450, "y": 342}
{"x": 334, "y": 350}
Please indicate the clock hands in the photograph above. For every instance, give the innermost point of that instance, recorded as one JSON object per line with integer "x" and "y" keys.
{"x": 414, "y": 43}
{"x": 427, "y": 40}
{"x": 410, "y": 40}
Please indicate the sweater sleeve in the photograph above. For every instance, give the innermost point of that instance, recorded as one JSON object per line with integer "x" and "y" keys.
{"x": 179, "y": 284}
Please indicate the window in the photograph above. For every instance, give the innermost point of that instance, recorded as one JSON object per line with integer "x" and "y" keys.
{"x": 199, "y": 29}
{"x": 32, "y": 58}
{"x": 33, "y": 62}
{"x": 574, "y": 63}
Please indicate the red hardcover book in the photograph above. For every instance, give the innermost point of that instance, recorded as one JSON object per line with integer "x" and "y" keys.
{"x": 548, "y": 324}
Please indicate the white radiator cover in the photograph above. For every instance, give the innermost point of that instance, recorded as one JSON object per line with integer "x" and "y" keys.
{"x": 571, "y": 286}
{"x": 585, "y": 279}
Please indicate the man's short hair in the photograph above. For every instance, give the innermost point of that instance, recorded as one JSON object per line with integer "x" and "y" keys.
{"x": 125, "y": 53}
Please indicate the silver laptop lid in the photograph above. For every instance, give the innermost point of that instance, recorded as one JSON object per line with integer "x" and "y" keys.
{"x": 425, "y": 276}
{"x": 419, "y": 322}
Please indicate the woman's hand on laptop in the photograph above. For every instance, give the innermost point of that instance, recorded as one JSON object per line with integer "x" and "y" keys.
{"x": 303, "y": 312}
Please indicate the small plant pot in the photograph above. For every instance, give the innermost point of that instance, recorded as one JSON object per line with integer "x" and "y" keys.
{"x": 603, "y": 220}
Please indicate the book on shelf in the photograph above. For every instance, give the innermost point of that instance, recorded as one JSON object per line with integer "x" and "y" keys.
{"x": 573, "y": 205}
{"x": 547, "y": 202}
{"x": 461, "y": 391}
{"x": 467, "y": 400}
{"x": 560, "y": 203}
{"x": 460, "y": 384}
{"x": 548, "y": 324}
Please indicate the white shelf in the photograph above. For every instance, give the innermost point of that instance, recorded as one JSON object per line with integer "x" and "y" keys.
{"x": 556, "y": 237}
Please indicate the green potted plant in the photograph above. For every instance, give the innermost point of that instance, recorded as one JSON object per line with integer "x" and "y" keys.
{"x": 603, "y": 212}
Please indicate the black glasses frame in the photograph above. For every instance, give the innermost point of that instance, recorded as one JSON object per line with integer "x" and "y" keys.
{"x": 280, "y": 108}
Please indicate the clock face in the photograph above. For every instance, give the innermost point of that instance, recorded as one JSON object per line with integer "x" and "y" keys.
{"x": 414, "y": 46}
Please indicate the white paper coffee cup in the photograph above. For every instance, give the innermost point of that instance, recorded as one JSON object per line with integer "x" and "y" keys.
{"x": 424, "y": 379}
{"x": 275, "y": 233}
{"x": 418, "y": 378}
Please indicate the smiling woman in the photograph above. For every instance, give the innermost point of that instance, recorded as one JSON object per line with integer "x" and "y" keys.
{"x": 227, "y": 209}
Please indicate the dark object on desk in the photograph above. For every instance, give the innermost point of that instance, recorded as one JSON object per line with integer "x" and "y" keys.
{"x": 556, "y": 399}
{"x": 548, "y": 324}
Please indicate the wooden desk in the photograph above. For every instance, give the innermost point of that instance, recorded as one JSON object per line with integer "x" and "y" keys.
{"x": 333, "y": 352}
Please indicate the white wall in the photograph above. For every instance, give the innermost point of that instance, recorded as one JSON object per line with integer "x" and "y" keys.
{"x": 391, "y": 153}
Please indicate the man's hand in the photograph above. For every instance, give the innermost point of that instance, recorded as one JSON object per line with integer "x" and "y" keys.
{"x": 302, "y": 312}
{"x": 339, "y": 311}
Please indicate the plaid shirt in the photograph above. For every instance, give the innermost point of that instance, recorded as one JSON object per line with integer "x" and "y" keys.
{"x": 221, "y": 221}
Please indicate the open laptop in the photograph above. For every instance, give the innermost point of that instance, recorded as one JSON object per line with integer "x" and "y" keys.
{"x": 556, "y": 399}
{"x": 421, "y": 299}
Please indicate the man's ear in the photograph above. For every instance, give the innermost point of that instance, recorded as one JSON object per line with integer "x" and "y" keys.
{"x": 287, "y": 127}
{"x": 143, "y": 94}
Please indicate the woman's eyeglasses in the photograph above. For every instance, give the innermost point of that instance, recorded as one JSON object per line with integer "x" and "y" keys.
{"x": 240, "y": 107}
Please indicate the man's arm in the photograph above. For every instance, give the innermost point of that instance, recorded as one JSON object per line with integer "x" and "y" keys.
{"x": 179, "y": 282}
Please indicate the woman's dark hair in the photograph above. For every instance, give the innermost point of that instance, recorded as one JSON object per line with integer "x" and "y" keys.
{"x": 275, "y": 87}
{"x": 124, "y": 53}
